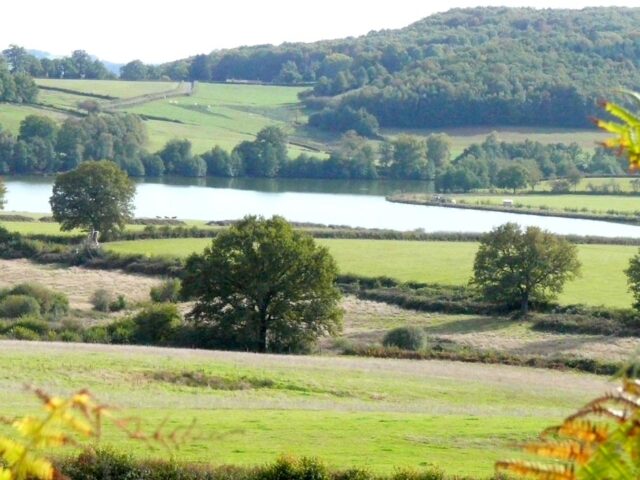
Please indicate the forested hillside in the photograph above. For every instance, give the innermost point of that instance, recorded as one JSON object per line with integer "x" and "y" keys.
{"x": 481, "y": 66}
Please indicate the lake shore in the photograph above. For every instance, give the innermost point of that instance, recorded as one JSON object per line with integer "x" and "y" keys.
{"x": 418, "y": 199}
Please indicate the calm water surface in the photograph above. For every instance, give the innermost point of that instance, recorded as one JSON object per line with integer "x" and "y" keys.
{"x": 357, "y": 204}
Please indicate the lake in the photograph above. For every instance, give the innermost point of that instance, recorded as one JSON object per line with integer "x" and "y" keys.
{"x": 334, "y": 202}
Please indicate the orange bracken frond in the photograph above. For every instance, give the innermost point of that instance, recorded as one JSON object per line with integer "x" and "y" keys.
{"x": 567, "y": 450}
{"x": 536, "y": 470}
{"x": 599, "y": 441}
{"x": 582, "y": 430}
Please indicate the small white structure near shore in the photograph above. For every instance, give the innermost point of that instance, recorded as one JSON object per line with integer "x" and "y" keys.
{"x": 507, "y": 202}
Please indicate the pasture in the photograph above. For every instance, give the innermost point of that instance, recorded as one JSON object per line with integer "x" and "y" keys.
{"x": 222, "y": 114}
{"x": 580, "y": 203}
{"x": 462, "y": 137}
{"x": 249, "y": 408}
{"x": 112, "y": 88}
{"x": 603, "y": 281}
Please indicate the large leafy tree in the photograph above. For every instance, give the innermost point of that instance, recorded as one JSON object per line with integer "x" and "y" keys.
{"x": 263, "y": 286}
{"x": 513, "y": 267}
{"x": 96, "y": 196}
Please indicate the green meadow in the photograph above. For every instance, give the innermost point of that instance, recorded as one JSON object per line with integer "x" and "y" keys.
{"x": 590, "y": 203}
{"x": 350, "y": 412}
{"x": 112, "y": 88}
{"x": 602, "y": 282}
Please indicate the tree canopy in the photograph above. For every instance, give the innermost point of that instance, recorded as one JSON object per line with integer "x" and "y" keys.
{"x": 96, "y": 196}
{"x": 263, "y": 286}
{"x": 513, "y": 267}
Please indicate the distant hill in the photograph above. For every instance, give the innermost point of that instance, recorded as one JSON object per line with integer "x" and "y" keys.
{"x": 465, "y": 67}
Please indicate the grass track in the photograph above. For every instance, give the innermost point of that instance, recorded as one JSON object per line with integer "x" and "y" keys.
{"x": 602, "y": 281}
{"x": 349, "y": 411}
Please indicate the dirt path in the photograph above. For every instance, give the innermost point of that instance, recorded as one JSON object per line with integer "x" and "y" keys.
{"x": 78, "y": 283}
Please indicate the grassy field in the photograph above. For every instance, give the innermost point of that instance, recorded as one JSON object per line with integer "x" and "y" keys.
{"x": 602, "y": 281}
{"x": 11, "y": 115}
{"x": 378, "y": 414}
{"x": 592, "y": 203}
{"x": 623, "y": 184}
{"x": 215, "y": 114}
{"x": 464, "y": 136}
{"x": 112, "y": 88}
{"x": 223, "y": 114}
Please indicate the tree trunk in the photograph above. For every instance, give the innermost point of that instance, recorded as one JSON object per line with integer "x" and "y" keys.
{"x": 262, "y": 339}
{"x": 524, "y": 303}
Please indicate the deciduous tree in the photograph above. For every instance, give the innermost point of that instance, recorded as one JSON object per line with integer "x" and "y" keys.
{"x": 96, "y": 196}
{"x": 263, "y": 286}
{"x": 513, "y": 267}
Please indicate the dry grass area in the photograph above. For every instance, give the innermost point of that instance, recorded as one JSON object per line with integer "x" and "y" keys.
{"x": 78, "y": 283}
{"x": 367, "y": 321}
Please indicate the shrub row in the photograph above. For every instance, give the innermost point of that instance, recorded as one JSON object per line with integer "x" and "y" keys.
{"x": 109, "y": 465}
{"x": 432, "y": 298}
{"x": 590, "y": 321}
{"x": 468, "y": 354}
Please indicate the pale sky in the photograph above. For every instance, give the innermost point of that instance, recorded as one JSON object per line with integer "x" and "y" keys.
{"x": 161, "y": 30}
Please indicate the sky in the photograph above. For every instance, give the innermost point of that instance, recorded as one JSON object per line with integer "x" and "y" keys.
{"x": 156, "y": 31}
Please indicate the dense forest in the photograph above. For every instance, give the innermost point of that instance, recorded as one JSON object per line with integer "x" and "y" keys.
{"x": 481, "y": 66}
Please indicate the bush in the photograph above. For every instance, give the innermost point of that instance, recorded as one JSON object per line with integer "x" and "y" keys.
{"x": 407, "y": 338}
{"x": 118, "y": 304}
{"x": 96, "y": 335}
{"x": 295, "y": 469}
{"x": 122, "y": 331}
{"x": 15, "y": 306}
{"x": 167, "y": 291}
{"x": 51, "y": 302}
{"x": 69, "y": 336}
{"x": 156, "y": 324}
{"x": 22, "y": 333}
{"x": 102, "y": 299}
{"x": 34, "y": 324}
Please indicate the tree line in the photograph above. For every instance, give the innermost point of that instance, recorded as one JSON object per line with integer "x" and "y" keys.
{"x": 78, "y": 65}
{"x": 16, "y": 87}
{"x": 42, "y": 147}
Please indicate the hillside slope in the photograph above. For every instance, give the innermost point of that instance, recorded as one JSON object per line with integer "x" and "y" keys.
{"x": 481, "y": 66}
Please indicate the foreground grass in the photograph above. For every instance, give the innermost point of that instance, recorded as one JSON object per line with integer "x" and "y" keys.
{"x": 602, "y": 282}
{"x": 378, "y": 414}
